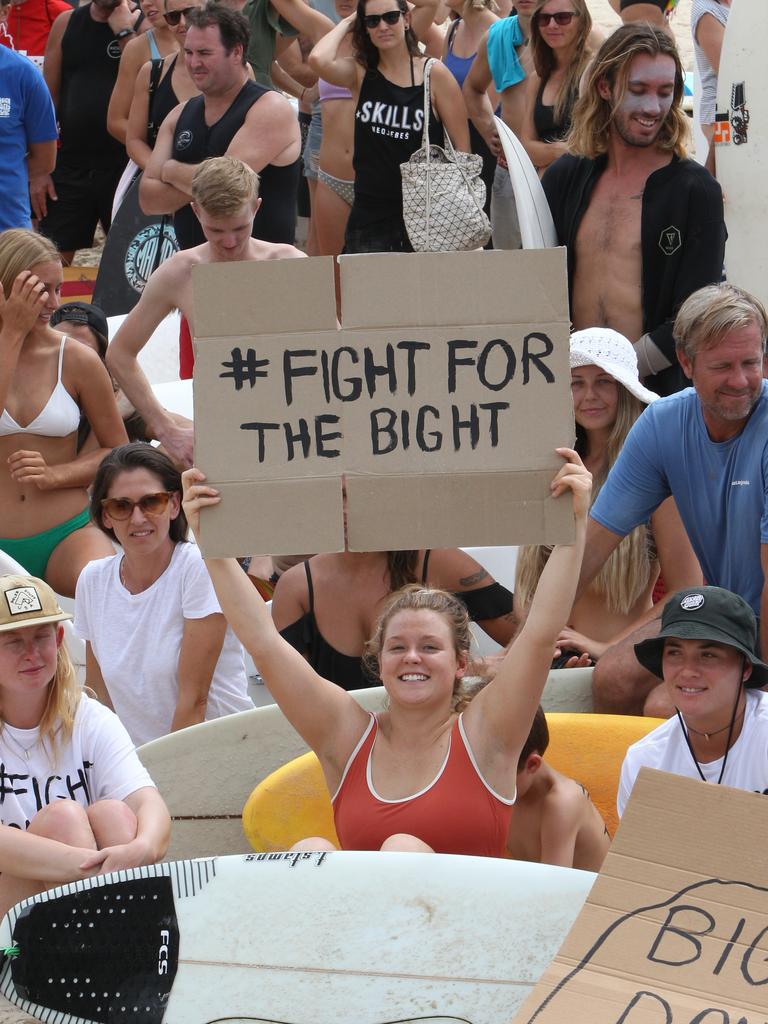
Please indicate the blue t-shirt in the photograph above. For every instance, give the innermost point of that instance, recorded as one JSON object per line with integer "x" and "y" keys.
{"x": 26, "y": 116}
{"x": 504, "y": 36}
{"x": 719, "y": 488}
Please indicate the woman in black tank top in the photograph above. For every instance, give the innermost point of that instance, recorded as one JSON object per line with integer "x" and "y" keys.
{"x": 386, "y": 76}
{"x": 159, "y": 88}
{"x": 560, "y": 31}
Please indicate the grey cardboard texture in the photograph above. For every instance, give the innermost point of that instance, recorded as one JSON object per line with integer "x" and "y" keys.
{"x": 441, "y": 400}
{"x": 675, "y": 929}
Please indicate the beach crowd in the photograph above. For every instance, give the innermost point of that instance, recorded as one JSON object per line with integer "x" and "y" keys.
{"x": 181, "y": 112}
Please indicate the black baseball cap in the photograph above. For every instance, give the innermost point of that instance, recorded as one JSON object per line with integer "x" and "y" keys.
{"x": 82, "y": 313}
{"x": 706, "y": 613}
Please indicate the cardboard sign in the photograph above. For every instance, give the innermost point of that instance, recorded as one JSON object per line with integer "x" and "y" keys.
{"x": 441, "y": 400}
{"x": 675, "y": 929}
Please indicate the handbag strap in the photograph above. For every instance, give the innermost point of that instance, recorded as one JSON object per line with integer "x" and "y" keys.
{"x": 427, "y": 104}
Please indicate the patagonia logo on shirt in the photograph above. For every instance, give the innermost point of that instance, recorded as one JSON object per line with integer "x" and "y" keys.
{"x": 739, "y": 483}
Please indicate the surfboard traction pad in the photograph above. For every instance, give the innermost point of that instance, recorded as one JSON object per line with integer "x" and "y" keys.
{"x": 106, "y": 950}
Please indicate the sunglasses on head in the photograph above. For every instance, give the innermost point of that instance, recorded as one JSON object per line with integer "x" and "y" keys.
{"x": 174, "y": 17}
{"x": 150, "y": 505}
{"x": 561, "y": 18}
{"x": 388, "y": 17}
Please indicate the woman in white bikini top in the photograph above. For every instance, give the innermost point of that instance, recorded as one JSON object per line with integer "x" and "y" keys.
{"x": 45, "y": 384}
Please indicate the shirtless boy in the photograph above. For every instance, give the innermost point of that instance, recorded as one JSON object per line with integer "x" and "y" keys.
{"x": 225, "y": 201}
{"x": 554, "y": 821}
{"x": 643, "y": 225}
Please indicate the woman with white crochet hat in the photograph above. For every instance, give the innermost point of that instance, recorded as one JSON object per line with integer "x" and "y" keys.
{"x": 608, "y": 397}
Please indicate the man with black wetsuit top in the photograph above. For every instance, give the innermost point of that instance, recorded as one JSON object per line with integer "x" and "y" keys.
{"x": 233, "y": 116}
{"x": 81, "y": 62}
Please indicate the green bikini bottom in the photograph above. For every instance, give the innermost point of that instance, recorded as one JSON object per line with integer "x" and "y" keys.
{"x": 34, "y": 552}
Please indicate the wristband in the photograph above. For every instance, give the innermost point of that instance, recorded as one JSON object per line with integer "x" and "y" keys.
{"x": 124, "y": 33}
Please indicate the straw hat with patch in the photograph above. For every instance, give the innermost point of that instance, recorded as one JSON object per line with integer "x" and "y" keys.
{"x": 27, "y": 601}
{"x": 612, "y": 352}
{"x": 706, "y": 613}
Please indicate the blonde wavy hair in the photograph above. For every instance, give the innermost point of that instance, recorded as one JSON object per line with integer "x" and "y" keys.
{"x": 64, "y": 693}
{"x": 592, "y": 115}
{"x": 627, "y": 572}
{"x": 544, "y": 57}
{"x": 21, "y": 249}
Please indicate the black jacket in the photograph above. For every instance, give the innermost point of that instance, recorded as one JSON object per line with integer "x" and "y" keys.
{"x": 682, "y": 240}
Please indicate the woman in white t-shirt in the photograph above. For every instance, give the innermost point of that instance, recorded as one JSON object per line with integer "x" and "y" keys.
{"x": 705, "y": 653}
{"x": 158, "y": 649}
{"x": 76, "y": 799}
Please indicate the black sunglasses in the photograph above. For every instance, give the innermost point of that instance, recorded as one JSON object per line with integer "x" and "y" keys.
{"x": 150, "y": 505}
{"x": 562, "y": 18}
{"x": 388, "y": 17}
{"x": 174, "y": 17}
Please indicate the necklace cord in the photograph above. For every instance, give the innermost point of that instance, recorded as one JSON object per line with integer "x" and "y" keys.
{"x": 684, "y": 727}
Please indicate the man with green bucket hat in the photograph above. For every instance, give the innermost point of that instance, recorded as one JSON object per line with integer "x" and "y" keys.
{"x": 705, "y": 653}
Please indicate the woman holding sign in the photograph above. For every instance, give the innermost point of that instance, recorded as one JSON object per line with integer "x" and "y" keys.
{"x": 393, "y": 776}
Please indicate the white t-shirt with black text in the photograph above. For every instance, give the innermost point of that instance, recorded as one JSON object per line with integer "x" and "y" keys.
{"x": 98, "y": 762}
{"x": 666, "y": 749}
{"x": 136, "y": 639}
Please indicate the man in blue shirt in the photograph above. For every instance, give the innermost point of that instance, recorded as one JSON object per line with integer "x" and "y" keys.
{"x": 707, "y": 447}
{"x": 27, "y": 136}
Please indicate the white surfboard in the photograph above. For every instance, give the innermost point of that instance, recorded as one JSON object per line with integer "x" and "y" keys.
{"x": 340, "y": 938}
{"x": 741, "y": 144}
{"x": 537, "y": 228}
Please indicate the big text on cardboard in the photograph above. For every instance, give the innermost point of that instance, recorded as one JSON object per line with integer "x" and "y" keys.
{"x": 440, "y": 399}
{"x": 675, "y": 929}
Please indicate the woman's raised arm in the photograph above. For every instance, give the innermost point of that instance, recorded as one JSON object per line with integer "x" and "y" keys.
{"x": 500, "y": 717}
{"x": 326, "y": 62}
{"x": 328, "y": 719}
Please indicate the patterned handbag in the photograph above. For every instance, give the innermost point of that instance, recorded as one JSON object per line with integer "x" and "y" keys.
{"x": 443, "y": 194}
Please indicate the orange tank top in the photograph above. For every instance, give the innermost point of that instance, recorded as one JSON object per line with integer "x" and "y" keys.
{"x": 457, "y": 813}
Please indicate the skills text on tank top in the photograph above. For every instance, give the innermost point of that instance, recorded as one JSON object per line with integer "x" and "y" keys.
{"x": 389, "y": 121}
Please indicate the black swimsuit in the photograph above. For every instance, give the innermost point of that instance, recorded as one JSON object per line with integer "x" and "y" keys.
{"x": 346, "y": 670}
{"x": 547, "y": 128}
{"x": 162, "y": 98}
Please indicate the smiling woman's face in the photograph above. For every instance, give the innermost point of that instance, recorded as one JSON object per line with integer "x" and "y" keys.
{"x": 418, "y": 659}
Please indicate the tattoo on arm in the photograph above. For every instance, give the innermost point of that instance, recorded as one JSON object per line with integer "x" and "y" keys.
{"x": 476, "y": 577}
